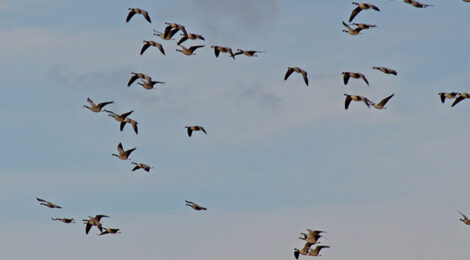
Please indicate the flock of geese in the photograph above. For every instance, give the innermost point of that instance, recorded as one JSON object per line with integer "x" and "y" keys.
{"x": 313, "y": 236}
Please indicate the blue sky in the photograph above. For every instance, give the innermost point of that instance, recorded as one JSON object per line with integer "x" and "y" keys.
{"x": 279, "y": 157}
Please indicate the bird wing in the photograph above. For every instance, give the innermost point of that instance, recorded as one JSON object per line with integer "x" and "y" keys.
{"x": 347, "y": 102}
{"x": 365, "y": 79}
{"x": 133, "y": 78}
{"x": 128, "y": 152}
{"x": 346, "y": 78}
{"x": 354, "y": 13}
{"x": 136, "y": 168}
{"x": 171, "y": 33}
{"x": 120, "y": 149}
{"x": 190, "y": 131}
{"x": 200, "y": 37}
{"x": 101, "y": 105}
{"x": 129, "y": 16}
{"x": 289, "y": 71}
{"x": 216, "y": 51}
{"x": 193, "y": 48}
{"x": 41, "y": 200}
{"x": 347, "y": 26}
{"x": 98, "y": 217}
{"x": 134, "y": 125}
{"x": 443, "y": 97}
{"x": 457, "y": 100}
{"x": 296, "y": 254}
{"x": 87, "y": 228}
{"x": 144, "y": 47}
{"x": 184, "y": 38}
{"x": 167, "y": 31}
{"x": 374, "y": 7}
{"x": 385, "y": 100}
{"x": 126, "y": 114}
{"x": 160, "y": 47}
{"x": 203, "y": 130}
{"x": 90, "y": 102}
{"x": 238, "y": 53}
{"x": 463, "y": 215}
{"x": 146, "y": 15}
{"x": 304, "y": 75}
{"x": 123, "y": 123}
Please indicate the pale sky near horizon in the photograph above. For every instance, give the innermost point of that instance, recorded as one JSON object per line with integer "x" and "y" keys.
{"x": 279, "y": 157}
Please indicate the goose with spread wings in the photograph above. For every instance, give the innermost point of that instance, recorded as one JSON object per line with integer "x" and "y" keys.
{"x": 290, "y": 70}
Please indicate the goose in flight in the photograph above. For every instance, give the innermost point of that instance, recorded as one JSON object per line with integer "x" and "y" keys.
{"x": 195, "y": 128}
{"x": 117, "y": 117}
{"x": 350, "y": 30}
{"x": 464, "y": 219}
{"x": 364, "y": 26}
{"x": 303, "y": 251}
{"x": 94, "y": 221}
{"x": 381, "y": 104}
{"x": 65, "y": 220}
{"x": 219, "y": 49}
{"x": 109, "y": 231}
{"x": 461, "y": 97}
{"x": 360, "y": 7}
{"x": 350, "y": 98}
{"x": 312, "y": 236}
{"x": 449, "y": 95}
{"x": 149, "y": 85}
{"x": 167, "y": 34}
{"x": 133, "y": 11}
{"x": 194, "y": 205}
{"x": 176, "y": 26}
{"x": 130, "y": 121}
{"x": 143, "y": 166}
{"x": 123, "y": 155}
{"x": 290, "y": 70}
{"x": 48, "y": 204}
{"x": 136, "y": 76}
{"x": 152, "y": 43}
{"x": 191, "y": 36}
{"x": 250, "y": 53}
{"x": 96, "y": 108}
{"x": 190, "y": 50}
{"x": 386, "y": 70}
{"x": 416, "y": 3}
{"x": 316, "y": 251}
{"x": 354, "y": 75}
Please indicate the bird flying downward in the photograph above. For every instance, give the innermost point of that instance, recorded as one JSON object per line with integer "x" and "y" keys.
{"x": 195, "y": 128}
{"x": 48, "y": 204}
{"x": 194, "y": 205}
{"x": 298, "y": 70}
{"x": 360, "y": 7}
{"x": 133, "y": 11}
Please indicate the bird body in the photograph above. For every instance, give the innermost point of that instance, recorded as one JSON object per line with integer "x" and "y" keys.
{"x": 48, "y": 204}
{"x": 354, "y": 75}
{"x": 250, "y": 53}
{"x": 65, "y": 220}
{"x": 316, "y": 251}
{"x": 416, "y": 4}
{"x": 194, "y": 205}
{"x": 464, "y": 218}
{"x": 141, "y": 166}
{"x": 386, "y": 70}
{"x": 190, "y": 129}
{"x": 290, "y": 70}
{"x": 149, "y": 85}
{"x": 219, "y": 49}
{"x": 133, "y": 11}
{"x": 449, "y": 95}
{"x": 96, "y": 108}
{"x": 123, "y": 155}
{"x": 364, "y": 26}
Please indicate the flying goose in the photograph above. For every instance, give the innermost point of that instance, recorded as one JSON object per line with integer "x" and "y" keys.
{"x": 109, "y": 231}
{"x": 65, "y": 220}
{"x": 350, "y": 98}
{"x": 364, "y": 26}
{"x": 138, "y": 11}
{"x": 250, "y": 53}
{"x": 360, "y": 7}
{"x": 461, "y": 97}
{"x": 141, "y": 166}
{"x": 352, "y": 31}
{"x": 303, "y": 251}
{"x": 176, "y": 26}
{"x": 464, "y": 219}
{"x": 130, "y": 121}
{"x": 381, "y": 104}
{"x": 416, "y": 3}
{"x": 149, "y": 85}
{"x": 48, "y": 204}
{"x": 310, "y": 238}
{"x": 195, "y": 128}
{"x": 354, "y": 75}
{"x": 136, "y": 76}
{"x": 316, "y": 251}
{"x": 191, "y": 36}
{"x": 219, "y": 49}
{"x": 123, "y": 155}
{"x": 96, "y": 108}
{"x": 167, "y": 35}
{"x": 298, "y": 70}
{"x": 386, "y": 70}
{"x": 445, "y": 95}
{"x": 94, "y": 221}
{"x": 152, "y": 43}
{"x": 190, "y": 50}
{"x": 194, "y": 205}
{"x": 117, "y": 117}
